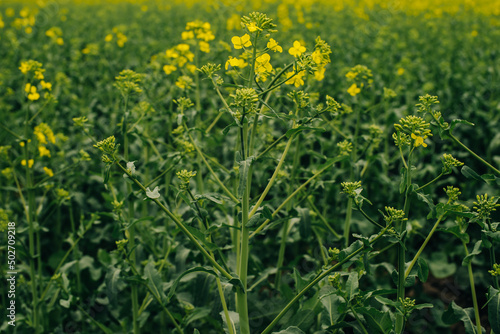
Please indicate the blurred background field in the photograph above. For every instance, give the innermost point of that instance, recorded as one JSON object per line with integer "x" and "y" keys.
{"x": 446, "y": 48}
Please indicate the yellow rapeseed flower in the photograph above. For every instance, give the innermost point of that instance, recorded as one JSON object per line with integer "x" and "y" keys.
{"x": 262, "y": 64}
{"x": 32, "y": 93}
{"x": 273, "y": 45}
{"x": 297, "y": 80}
{"x": 252, "y": 27}
{"x": 30, "y": 162}
{"x": 48, "y": 171}
{"x": 169, "y": 69}
{"x": 108, "y": 38}
{"x": 297, "y": 49}
{"x": 241, "y": 42}
{"x": 187, "y": 35}
{"x": 44, "y": 152}
{"x": 204, "y": 46}
{"x": 401, "y": 71}
{"x": 418, "y": 140}
{"x": 354, "y": 90}
{"x": 46, "y": 85}
{"x": 235, "y": 62}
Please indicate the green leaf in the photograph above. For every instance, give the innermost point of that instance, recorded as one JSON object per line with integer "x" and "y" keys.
{"x": 455, "y": 313}
{"x": 459, "y": 121}
{"x": 290, "y": 330}
{"x": 296, "y": 130}
{"x": 235, "y": 320}
{"x": 494, "y": 236}
{"x": 227, "y": 128}
{"x": 300, "y": 283}
{"x": 216, "y": 198}
{"x": 304, "y": 223}
{"x": 244, "y": 168}
{"x": 475, "y": 251}
{"x": 379, "y": 322}
{"x": 422, "y": 306}
{"x": 355, "y": 246}
{"x": 352, "y": 285}
{"x": 456, "y": 231}
{"x": 196, "y": 314}
{"x": 154, "y": 280}
{"x": 470, "y": 173}
{"x": 440, "y": 266}
{"x": 427, "y": 199}
{"x": 207, "y": 270}
{"x": 332, "y": 304}
{"x": 114, "y": 283}
{"x": 423, "y": 269}
{"x": 494, "y": 310}
{"x": 201, "y": 237}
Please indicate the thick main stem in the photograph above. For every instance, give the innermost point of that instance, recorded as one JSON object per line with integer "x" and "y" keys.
{"x": 241, "y": 295}
{"x": 473, "y": 291}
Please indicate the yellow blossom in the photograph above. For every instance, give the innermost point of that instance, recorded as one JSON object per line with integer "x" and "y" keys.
{"x": 187, "y": 35}
{"x": 273, "y": 45}
{"x": 262, "y": 64}
{"x": 235, "y": 62}
{"x": 25, "y": 67}
{"x": 44, "y": 152}
{"x": 297, "y": 49}
{"x": 241, "y": 42}
{"x": 317, "y": 56}
{"x": 351, "y": 75}
{"x": 296, "y": 80}
{"x": 30, "y": 162}
{"x": 46, "y": 85}
{"x": 354, "y": 90}
{"x": 320, "y": 73}
{"x": 48, "y": 171}
{"x": 60, "y": 41}
{"x": 108, "y": 38}
{"x": 418, "y": 140}
{"x": 204, "y": 46}
{"x": 169, "y": 69}
{"x": 401, "y": 71}
{"x": 32, "y": 93}
{"x": 183, "y": 47}
{"x": 252, "y": 27}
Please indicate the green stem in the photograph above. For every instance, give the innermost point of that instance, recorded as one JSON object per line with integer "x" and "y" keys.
{"x": 316, "y": 281}
{"x": 423, "y": 245}
{"x": 156, "y": 296}
{"x": 322, "y": 218}
{"x": 179, "y": 224}
{"x": 273, "y": 178}
{"x": 358, "y": 319}
{"x": 202, "y": 156}
{"x": 302, "y": 186}
{"x": 31, "y": 228}
{"x": 455, "y": 139}
{"x": 241, "y": 295}
{"x": 473, "y": 291}
{"x": 431, "y": 182}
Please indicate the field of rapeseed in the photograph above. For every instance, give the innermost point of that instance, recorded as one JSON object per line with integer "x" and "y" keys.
{"x": 269, "y": 166}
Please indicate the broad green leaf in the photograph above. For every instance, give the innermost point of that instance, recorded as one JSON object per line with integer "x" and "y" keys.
{"x": 459, "y": 121}
{"x": 440, "y": 266}
{"x": 235, "y": 321}
{"x": 290, "y": 330}
{"x": 355, "y": 246}
{"x": 379, "y": 322}
{"x": 475, "y": 251}
{"x": 494, "y": 236}
{"x": 201, "y": 237}
{"x": 154, "y": 280}
{"x": 113, "y": 283}
{"x": 456, "y": 231}
{"x": 423, "y": 269}
{"x": 352, "y": 285}
{"x": 306, "y": 315}
{"x": 494, "y": 310}
{"x": 207, "y": 270}
{"x": 300, "y": 283}
{"x": 470, "y": 173}
{"x": 455, "y": 313}
{"x": 196, "y": 314}
{"x": 332, "y": 305}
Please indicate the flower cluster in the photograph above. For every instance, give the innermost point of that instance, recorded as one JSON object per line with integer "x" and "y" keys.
{"x": 185, "y": 177}
{"x": 448, "y": 162}
{"x": 393, "y": 215}
{"x": 413, "y": 127}
{"x": 361, "y": 76}
{"x": 200, "y": 32}
{"x": 35, "y": 77}
{"x": 128, "y": 82}
{"x": 484, "y": 206}
{"x": 117, "y": 34}
{"x": 55, "y": 34}
{"x": 178, "y": 57}
{"x": 351, "y": 189}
